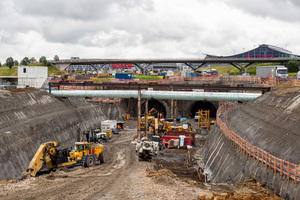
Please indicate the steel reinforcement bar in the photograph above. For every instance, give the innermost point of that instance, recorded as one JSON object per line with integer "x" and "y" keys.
{"x": 281, "y": 166}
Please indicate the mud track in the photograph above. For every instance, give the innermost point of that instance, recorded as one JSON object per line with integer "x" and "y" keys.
{"x": 122, "y": 176}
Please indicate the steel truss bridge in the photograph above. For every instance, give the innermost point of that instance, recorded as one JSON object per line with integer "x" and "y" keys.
{"x": 241, "y": 64}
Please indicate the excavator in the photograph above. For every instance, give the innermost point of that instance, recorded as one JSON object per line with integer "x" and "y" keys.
{"x": 153, "y": 112}
{"x": 49, "y": 156}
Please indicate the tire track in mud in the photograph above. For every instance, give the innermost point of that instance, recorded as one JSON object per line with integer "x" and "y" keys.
{"x": 85, "y": 183}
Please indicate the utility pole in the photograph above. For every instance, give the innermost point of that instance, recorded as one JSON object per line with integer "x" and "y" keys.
{"x": 139, "y": 115}
{"x": 78, "y": 133}
{"x": 172, "y": 106}
{"x": 146, "y": 117}
{"x": 175, "y": 112}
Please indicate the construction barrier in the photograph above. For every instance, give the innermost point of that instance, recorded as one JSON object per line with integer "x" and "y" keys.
{"x": 281, "y": 166}
{"x": 277, "y": 82}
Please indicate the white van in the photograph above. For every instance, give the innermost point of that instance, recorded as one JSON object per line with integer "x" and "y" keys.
{"x": 298, "y": 75}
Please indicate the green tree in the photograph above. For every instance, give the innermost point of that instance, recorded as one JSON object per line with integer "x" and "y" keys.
{"x": 32, "y": 60}
{"x": 293, "y": 66}
{"x": 25, "y": 61}
{"x": 16, "y": 63}
{"x": 56, "y": 58}
{"x": 43, "y": 59}
{"x": 10, "y": 62}
{"x": 0, "y": 64}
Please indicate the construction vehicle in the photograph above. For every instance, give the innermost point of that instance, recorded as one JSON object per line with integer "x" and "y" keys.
{"x": 98, "y": 136}
{"x": 156, "y": 142}
{"x": 102, "y": 75}
{"x": 48, "y": 155}
{"x": 183, "y": 127}
{"x": 167, "y": 126}
{"x": 109, "y": 127}
{"x": 145, "y": 150}
{"x": 187, "y": 127}
{"x": 143, "y": 122}
{"x": 155, "y": 127}
{"x": 153, "y": 112}
{"x": 67, "y": 76}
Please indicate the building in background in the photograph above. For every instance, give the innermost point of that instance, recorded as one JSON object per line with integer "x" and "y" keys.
{"x": 262, "y": 51}
{"x": 32, "y": 76}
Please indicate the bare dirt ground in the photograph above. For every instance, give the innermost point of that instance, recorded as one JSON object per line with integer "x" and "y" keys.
{"x": 122, "y": 176}
{"x": 284, "y": 90}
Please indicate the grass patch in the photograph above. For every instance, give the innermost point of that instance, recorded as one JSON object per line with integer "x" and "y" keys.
{"x": 146, "y": 77}
{"x": 5, "y": 71}
{"x": 293, "y": 74}
{"x": 53, "y": 71}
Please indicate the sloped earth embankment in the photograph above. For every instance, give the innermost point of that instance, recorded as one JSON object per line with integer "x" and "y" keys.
{"x": 28, "y": 119}
{"x": 269, "y": 122}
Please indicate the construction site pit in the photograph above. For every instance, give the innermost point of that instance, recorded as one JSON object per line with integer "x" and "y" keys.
{"x": 174, "y": 173}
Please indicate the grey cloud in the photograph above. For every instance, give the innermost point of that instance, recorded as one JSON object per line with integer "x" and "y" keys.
{"x": 70, "y": 21}
{"x": 76, "y": 9}
{"x": 283, "y": 10}
{"x": 8, "y": 38}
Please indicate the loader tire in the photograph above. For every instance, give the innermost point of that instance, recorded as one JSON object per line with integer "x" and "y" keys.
{"x": 83, "y": 161}
{"x": 101, "y": 157}
{"x": 90, "y": 161}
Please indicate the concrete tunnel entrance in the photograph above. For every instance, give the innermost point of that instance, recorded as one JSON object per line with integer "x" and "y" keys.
{"x": 152, "y": 103}
{"x": 203, "y": 105}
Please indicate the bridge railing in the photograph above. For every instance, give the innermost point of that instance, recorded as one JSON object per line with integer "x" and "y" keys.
{"x": 278, "y": 165}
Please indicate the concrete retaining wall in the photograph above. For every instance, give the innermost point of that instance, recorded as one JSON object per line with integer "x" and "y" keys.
{"x": 29, "y": 119}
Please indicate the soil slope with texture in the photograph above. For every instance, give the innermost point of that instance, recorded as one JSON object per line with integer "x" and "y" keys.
{"x": 28, "y": 119}
{"x": 270, "y": 122}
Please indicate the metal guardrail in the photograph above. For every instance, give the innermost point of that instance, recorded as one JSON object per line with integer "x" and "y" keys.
{"x": 269, "y": 161}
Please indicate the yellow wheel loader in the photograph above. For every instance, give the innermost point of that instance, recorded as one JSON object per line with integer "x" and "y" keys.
{"x": 50, "y": 157}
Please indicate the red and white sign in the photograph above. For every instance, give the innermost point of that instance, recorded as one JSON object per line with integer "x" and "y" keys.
{"x": 121, "y": 66}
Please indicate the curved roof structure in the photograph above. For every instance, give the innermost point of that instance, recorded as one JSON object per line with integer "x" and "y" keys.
{"x": 262, "y": 51}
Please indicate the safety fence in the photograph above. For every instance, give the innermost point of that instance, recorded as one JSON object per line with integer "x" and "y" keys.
{"x": 274, "y": 82}
{"x": 269, "y": 161}
{"x": 226, "y": 105}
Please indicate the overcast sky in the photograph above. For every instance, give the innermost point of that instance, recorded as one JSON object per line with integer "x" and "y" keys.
{"x": 145, "y": 28}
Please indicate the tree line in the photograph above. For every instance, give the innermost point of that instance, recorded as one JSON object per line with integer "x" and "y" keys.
{"x": 26, "y": 61}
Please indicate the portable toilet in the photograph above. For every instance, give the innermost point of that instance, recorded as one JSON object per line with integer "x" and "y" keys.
{"x": 181, "y": 140}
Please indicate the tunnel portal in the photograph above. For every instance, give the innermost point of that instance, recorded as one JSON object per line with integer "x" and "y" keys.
{"x": 159, "y": 107}
{"x": 203, "y": 105}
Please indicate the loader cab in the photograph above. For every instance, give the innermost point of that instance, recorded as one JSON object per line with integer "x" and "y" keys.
{"x": 83, "y": 147}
